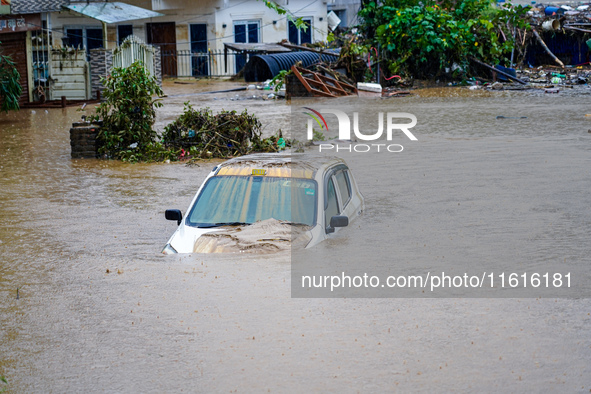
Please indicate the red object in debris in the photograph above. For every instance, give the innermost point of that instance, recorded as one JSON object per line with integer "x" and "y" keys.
{"x": 393, "y": 76}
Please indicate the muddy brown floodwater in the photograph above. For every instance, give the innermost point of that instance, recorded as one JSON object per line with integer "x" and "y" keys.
{"x": 100, "y": 309}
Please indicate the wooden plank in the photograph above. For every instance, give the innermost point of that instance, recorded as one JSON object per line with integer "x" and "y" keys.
{"x": 306, "y": 82}
{"x": 497, "y": 70}
{"x": 65, "y": 91}
{"x": 321, "y": 85}
{"x": 69, "y": 78}
{"x": 339, "y": 84}
{"x": 64, "y": 67}
{"x": 70, "y": 94}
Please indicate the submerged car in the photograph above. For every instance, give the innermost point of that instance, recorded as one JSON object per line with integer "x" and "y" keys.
{"x": 315, "y": 194}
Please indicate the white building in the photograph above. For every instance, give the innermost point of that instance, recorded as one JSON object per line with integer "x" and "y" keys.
{"x": 187, "y": 27}
{"x": 346, "y": 10}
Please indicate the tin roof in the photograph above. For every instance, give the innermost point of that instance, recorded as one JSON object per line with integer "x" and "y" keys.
{"x": 112, "y": 12}
{"x": 255, "y": 47}
{"x": 36, "y": 6}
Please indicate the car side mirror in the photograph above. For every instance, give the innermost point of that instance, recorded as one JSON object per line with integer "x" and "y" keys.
{"x": 337, "y": 221}
{"x": 174, "y": 214}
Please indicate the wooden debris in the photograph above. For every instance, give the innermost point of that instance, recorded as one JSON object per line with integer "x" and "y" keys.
{"x": 321, "y": 86}
{"x": 548, "y": 51}
{"x": 498, "y": 71}
{"x": 395, "y": 93}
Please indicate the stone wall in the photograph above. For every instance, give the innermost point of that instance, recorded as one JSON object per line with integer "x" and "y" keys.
{"x": 158, "y": 65}
{"x": 83, "y": 140}
{"x": 101, "y": 63}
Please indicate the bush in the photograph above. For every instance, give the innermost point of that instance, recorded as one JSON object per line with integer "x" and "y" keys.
{"x": 128, "y": 114}
{"x": 423, "y": 41}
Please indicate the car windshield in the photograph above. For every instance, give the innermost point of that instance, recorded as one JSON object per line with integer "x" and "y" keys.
{"x": 227, "y": 200}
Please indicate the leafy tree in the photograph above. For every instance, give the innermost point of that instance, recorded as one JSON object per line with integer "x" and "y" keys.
{"x": 298, "y": 22}
{"x": 10, "y": 88}
{"x": 423, "y": 40}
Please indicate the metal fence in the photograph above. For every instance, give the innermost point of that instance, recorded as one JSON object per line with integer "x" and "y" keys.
{"x": 185, "y": 63}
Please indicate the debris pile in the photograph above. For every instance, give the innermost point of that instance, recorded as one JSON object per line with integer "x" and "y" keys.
{"x": 550, "y": 80}
{"x": 202, "y": 134}
{"x": 567, "y": 14}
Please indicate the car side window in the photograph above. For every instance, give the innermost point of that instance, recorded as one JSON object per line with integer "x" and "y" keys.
{"x": 344, "y": 186}
{"x": 332, "y": 207}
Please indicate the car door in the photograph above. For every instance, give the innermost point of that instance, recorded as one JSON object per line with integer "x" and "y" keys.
{"x": 331, "y": 203}
{"x": 338, "y": 194}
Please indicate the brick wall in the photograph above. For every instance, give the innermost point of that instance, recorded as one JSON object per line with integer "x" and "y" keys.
{"x": 83, "y": 140}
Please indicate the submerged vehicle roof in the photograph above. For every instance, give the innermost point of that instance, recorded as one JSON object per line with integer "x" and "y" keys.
{"x": 295, "y": 165}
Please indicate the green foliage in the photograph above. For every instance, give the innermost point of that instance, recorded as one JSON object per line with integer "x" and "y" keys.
{"x": 424, "y": 40}
{"x": 10, "y": 88}
{"x": 4, "y": 387}
{"x": 128, "y": 114}
{"x": 154, "y": 151}
{"x": 298, "y": 22}
{"x": 317, "y": 135}
{"x": 225, "y": 134}
{"x": 279, "y": 80}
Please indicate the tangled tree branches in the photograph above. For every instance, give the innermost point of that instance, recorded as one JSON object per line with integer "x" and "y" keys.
{"x": 225, "y": 134}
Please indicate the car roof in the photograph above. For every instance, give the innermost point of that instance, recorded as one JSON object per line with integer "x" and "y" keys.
{"x": 279, "y": 164}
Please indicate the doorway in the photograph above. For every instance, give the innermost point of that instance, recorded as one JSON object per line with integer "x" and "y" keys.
{"x": 164, "y": 36}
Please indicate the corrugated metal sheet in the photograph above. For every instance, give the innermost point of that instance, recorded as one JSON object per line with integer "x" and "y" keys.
{"x": 14, "y": 45}
{"x": 35, "y": 6}
{"x": 262, "y": 67}
{"x": 113, "y": 12}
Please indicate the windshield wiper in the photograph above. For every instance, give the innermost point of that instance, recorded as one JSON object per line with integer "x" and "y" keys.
{"x": 297, "y": 224}
{"x": 209, "y": 225}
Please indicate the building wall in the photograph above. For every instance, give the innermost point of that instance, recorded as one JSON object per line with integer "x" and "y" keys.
{"x": 101, "y": 62}
{"x": 214, "y": 13}
{"x": 350, "y": 8}
{"x": 273, "y": 26}
{"x": 15, "y": 35}
{"x": 14, "y": 45}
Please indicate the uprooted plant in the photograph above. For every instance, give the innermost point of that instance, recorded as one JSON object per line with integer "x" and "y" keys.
{"x": 204, "y": 134}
